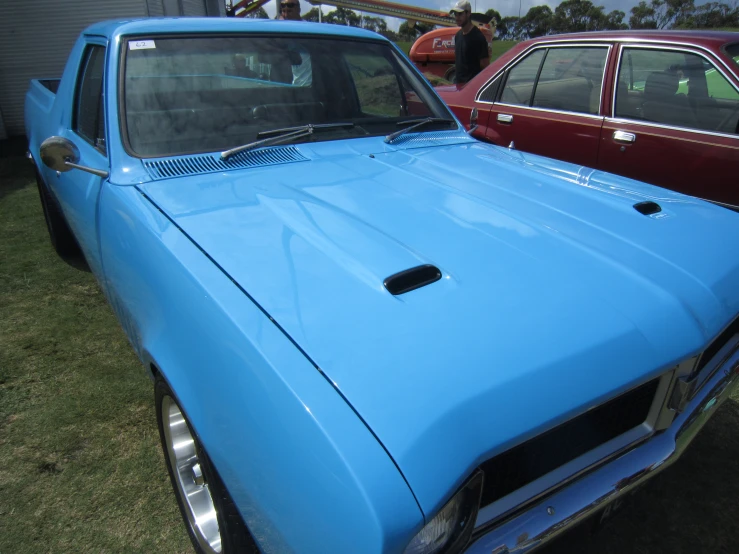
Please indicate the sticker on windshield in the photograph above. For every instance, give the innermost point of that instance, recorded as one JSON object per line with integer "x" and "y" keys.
{"x": 141, "y": 44}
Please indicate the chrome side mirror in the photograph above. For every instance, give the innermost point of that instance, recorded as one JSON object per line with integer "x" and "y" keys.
{"x": 61, "y": 155}
{"x": 473, "y": 121}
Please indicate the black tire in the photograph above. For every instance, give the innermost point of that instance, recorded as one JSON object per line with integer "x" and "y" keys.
{"x": 60, "y": 235}
{"x": 232, "y": 536}
{"x": 450, "y": 74}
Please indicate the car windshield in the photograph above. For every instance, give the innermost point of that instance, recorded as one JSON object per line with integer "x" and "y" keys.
{"x": 733, "y": 51}
{"x": 186, "y": 95}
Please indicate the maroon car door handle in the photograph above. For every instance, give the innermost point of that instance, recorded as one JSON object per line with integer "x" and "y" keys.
{"x": 624, "y": 137}
{"x": 505, "y": 118}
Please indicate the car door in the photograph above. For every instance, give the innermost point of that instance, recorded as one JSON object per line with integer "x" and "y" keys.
{"x": 674, "y": 122}
{"x": 549, "y": 102}
{"x": 76, "y": 190}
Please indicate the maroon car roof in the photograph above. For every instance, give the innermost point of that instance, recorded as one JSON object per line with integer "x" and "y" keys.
{"x": 702, "y": 38}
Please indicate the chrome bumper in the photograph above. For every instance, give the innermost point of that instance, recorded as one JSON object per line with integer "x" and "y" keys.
{"x": 573, "y": 503}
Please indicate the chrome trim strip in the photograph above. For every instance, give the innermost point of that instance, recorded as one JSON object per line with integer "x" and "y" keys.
{"x": 620, "y": 120}
{"x": 724, "y": 204}
{"x": 547, "y": 110}
{"x": 572, "y": 504}
{"x": 672, "y": 48}
{"x": 623, "y": 40}
{"x": 539, "y": 46}
{"x": 589, "y": 41}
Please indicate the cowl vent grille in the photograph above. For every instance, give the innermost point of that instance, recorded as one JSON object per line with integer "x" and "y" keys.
{"x": 422, "y": 140}
{"x": 212, "y": 163}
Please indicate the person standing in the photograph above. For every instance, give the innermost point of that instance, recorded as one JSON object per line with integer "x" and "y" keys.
{"x": 471, "y": 54}
{"x": 301, "y": 67}
{"x": 290, "y": 10}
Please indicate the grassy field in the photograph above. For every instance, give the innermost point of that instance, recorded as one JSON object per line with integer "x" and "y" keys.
{"x": 80, "y": 464}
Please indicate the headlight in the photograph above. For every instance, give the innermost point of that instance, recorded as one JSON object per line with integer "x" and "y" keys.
{"x": 452, "y": 527}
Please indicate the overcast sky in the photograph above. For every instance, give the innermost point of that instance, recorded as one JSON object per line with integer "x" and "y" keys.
{"x": 504, "y": 7}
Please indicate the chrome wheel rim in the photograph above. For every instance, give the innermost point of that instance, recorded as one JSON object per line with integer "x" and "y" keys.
{"x": 193, "y": 489}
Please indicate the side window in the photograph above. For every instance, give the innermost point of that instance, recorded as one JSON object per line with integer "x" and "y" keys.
{"x": 521, "y": 78}
{"x": 89, "y": 117}
{"x": 491, "y": 91}
{"x": 675, "y": 88}
{"x": 571, "y": 79}
{"x": 379, "y": 90}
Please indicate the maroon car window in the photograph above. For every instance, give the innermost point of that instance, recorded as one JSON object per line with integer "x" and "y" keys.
{"x": 675, "y": 88}
{"x": 733, "y": 51}
{"x": 571, "y": 79}
{"x": 521, "y": 78}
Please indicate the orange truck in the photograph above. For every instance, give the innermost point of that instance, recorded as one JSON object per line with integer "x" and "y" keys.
{"x": 433, "y": 52}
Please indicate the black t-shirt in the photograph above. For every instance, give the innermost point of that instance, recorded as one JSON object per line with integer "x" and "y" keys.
{"x": 469, "y": 49}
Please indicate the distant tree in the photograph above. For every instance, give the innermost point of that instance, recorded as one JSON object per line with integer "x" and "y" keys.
{"x": 643, "y": 16}
{"x": 259, "y": 13}
{"x": 716, "y": 14}
{"x": 494, "y": 14}
{"x": 509, "y": 28}
{"x": 672, "y": 14}
{"x": 573, "y": 16}
{"x": 411, "y": 30}
{"x": 615, "y": 20}
{"x": 311, "y": 15}
{"x": 537, "y": 22}
{"x": 376, "y": 24}
{"x": 342, "y": 16}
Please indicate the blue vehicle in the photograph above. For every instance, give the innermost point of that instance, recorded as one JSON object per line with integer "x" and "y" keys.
{"x": 367, "y": 331}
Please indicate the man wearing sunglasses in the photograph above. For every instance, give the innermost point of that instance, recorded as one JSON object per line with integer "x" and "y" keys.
{"x": 290, "y": 10}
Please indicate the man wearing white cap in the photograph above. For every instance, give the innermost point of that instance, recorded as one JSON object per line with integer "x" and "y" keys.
{"x": 470, "y": 47}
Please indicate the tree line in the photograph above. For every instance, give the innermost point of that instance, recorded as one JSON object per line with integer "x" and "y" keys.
{"x": 570, "y": 16}
{"x": 582, "y": 15}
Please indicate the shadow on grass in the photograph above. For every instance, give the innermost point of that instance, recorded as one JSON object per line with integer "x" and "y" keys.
{"x": 15, "y": 170}
{"x": 691, "y": 507}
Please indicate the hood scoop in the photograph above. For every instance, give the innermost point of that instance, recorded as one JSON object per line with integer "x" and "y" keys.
{"x": 412, "y": 279}
{"x": 648, "y": 208}
{"x": 212, "y": 163}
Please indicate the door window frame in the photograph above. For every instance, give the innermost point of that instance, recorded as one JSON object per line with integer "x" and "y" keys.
{"x": 86, "y": 54}
{"x": 687, "y": 49}
{"x": 503, "y": 73}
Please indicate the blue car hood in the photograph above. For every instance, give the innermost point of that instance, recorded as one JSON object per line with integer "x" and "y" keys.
{"x": 555, "y": 292}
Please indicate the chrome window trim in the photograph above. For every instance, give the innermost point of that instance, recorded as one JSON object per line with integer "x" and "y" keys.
{"x": 547, "y": 110}
{"x": 611, "y": 40}
{"x": 574, "y": 44}
{"x": 519, "y": 499}
{"x": 673, "y": 49}
{"x": 624, "y": 121}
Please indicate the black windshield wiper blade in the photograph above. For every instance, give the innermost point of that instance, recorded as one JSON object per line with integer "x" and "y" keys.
{"x": 284, "y": 135}
{"x": 417, "y": 123}
{"x": 347, "y": 125}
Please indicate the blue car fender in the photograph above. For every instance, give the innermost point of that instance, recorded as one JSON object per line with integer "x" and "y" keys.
{"x": 304, "y": 470}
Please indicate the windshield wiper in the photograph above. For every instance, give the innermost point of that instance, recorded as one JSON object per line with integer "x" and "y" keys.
{"x": 417, "y": 123}
{"x": 283, "y": 135}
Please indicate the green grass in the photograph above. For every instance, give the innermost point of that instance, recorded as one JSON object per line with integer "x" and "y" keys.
{"x": 81, "y": 469}
{"x": 405, "y": 46}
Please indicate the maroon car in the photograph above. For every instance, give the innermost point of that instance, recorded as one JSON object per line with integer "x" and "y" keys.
{"x": 658, "y": 106}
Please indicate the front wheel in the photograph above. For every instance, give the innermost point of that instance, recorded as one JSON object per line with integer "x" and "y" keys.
{"x": 213, "y": 522}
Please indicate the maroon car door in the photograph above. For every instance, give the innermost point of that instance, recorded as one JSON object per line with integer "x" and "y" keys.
{"x": 549, "y": 102}
{"x": 674, "y": 122}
